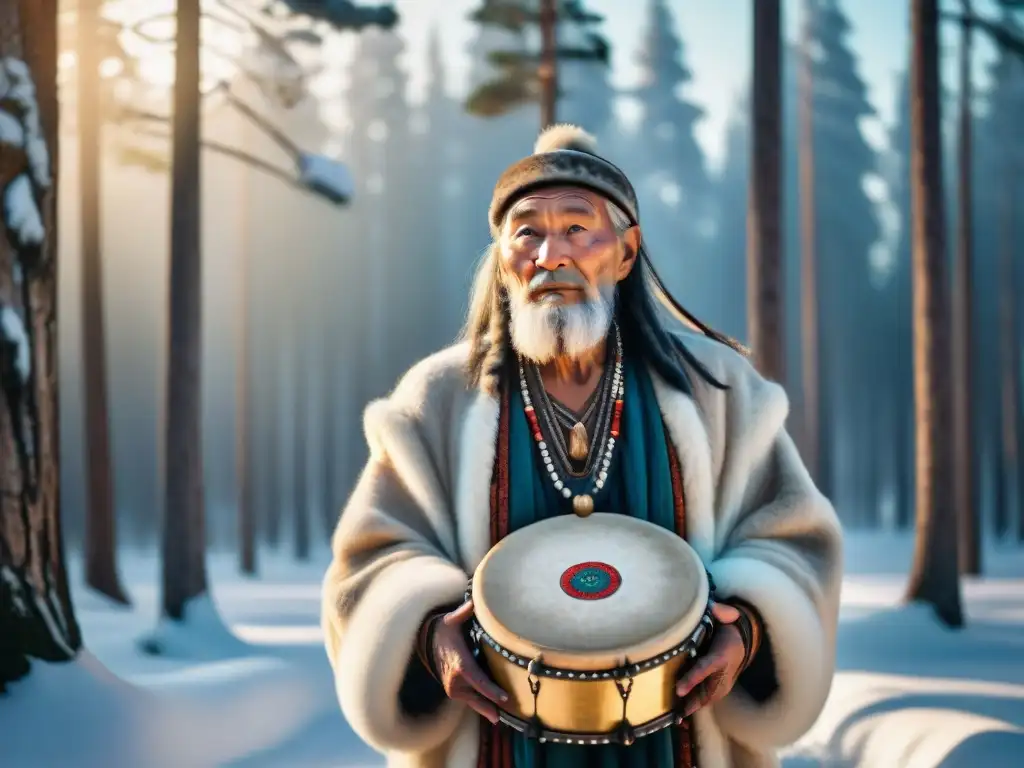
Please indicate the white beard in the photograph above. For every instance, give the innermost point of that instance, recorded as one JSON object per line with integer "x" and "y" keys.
{"x": 541, "y": 332}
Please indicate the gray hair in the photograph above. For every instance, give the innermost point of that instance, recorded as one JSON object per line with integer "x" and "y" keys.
{"x": 618, "y": 217}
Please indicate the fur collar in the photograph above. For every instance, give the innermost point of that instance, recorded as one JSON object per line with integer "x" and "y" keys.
{"x": 478, "y": 440}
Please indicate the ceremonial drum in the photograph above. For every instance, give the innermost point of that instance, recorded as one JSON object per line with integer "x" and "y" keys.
{"x": 587, "y": 622}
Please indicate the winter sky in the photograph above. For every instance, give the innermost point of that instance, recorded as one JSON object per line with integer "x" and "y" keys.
{"x": 717, "y": 45}
{"x": 717, "y": 48}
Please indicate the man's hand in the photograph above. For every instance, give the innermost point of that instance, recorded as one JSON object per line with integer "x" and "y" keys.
{"x": 715, "y": 673}
{"x": 462, "y": 678}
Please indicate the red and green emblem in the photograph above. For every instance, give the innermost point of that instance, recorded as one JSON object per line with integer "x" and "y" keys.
{"x": 590, "y": 581}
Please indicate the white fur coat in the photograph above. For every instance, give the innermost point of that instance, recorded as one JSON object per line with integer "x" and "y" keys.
{"x": 418, "y": 522}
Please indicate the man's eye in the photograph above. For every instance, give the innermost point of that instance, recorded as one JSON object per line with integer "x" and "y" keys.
{"x": 573, "y": 229}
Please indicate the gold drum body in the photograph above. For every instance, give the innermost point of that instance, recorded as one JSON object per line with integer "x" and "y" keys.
{"x": 587, "y": 623}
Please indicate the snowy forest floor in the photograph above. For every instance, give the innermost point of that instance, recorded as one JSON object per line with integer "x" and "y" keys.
{"x": 908, "y": 694}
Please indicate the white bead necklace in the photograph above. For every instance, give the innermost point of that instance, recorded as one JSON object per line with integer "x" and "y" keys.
{"x": 582, "y": 504}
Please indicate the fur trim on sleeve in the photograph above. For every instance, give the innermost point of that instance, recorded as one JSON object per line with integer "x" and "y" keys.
{"x": 802, "y": 649}
{"x": 371, "y": 658}
{"x": 396, "y": 559}
{"x": 777, "y": 546}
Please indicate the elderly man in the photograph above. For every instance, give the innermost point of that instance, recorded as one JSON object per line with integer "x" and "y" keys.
{"x": 567, "y": 343}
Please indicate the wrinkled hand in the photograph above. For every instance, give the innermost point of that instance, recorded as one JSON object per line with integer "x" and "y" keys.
{"x": 715, "y": 673}
{"x": 463, "y": 679}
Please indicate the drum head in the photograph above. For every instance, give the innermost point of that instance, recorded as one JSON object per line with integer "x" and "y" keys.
{"x": 590, "y": 593}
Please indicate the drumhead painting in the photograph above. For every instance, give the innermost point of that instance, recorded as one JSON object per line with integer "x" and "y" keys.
{"x": 590, "y": 581}
{"x": 589, "y": 592}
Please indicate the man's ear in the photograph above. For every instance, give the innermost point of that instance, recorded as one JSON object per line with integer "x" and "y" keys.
{"x": 631, "y": 240}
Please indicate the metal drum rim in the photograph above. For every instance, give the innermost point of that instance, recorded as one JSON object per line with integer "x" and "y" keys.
{"x": 689, "y": 646}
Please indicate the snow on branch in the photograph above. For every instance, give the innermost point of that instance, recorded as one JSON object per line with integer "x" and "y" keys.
{"x": 326, "y": 177}
{"x": 315, "y": 173}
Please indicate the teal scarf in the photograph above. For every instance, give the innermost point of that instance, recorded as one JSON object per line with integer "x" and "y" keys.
{"x": 639, "y": 483}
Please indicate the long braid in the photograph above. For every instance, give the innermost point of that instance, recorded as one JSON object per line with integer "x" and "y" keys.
{"x": 487, "y": 325}
{"x": 499, "y": 343}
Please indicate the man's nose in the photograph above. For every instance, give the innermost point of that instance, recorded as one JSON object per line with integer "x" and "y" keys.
{"x": 552, "y": 254}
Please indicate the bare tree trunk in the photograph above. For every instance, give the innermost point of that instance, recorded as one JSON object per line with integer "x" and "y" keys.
{"x": 101, "y": 522}
{"x": 934, "y": 578}
{"x": 1008, "y": 352}
{"x": 1000, "y": 471}
{"x": 184, "y": 535}
{"x": 548, "y": 72}
{"x": 968, "y": 513}
{"x": 766, "y": 303}
{"x": 329, "y": 410}
{"x": 815, "y": 435}
{"x": 300, "y": 405}
{"x": 272, "y": 445}
{"x": 37, "y": 619}
{"x": 871, "y": 451}
{"x": 903, "y": 471}
{"x": 243, "y": 375}
{"x": 300, "y": 416}
{"x": 1018, "y": 345}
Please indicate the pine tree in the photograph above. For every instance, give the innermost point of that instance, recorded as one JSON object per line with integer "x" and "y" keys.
{"x": 101, "y": 513}
{"x": 441, "y": 214}
{"x": 1000, "y": 225}
{"x": 765, "y": 271}
{"x": 730, "y": 250}
{"x": 670, "y": 172}
{"x": 968, "y": 512}
{"x": 896, "y": 300}
{"x": 490, "y": 143}
{"x": 847, "y": 227}
{"x": 37, "y": 619}
{"x": 898, "y": 310}
{"x": 934, "y": 577}
{"x": 585, "y": 91}
{"x": 569, "y": 46}
{"x": 380, "y": 154}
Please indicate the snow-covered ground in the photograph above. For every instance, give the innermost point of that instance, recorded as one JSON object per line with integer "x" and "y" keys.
{"x": 259, "y": 696}
{"x": 908, "y": 694}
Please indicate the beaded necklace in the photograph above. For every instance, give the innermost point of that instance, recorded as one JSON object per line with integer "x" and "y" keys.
{"x": 582, "y": 504}
{"x": 553, "y": 426}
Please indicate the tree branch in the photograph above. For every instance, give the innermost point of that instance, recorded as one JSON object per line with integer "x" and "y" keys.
{"x": 227, "y": 150}
{"x": 263, "y": 124}
{"x": 247, "y": 25}
{"x": 136, "y": 27}
{"x": 251, "y": 160}
{"x": 287, "y": 145}
{"x": 1003, "y": 37}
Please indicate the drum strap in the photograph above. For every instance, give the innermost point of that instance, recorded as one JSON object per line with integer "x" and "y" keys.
{"x": 495, "y": 740}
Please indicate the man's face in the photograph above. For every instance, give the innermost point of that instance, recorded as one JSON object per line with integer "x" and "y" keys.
{"x": 561, "y": 259}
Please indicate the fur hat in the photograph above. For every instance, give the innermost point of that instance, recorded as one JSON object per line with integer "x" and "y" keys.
{"x": 563, "y": 155}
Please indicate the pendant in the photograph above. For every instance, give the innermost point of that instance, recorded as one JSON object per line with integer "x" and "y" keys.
{"x": 579, "y": 442}
{"x": 582, "y": 505}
